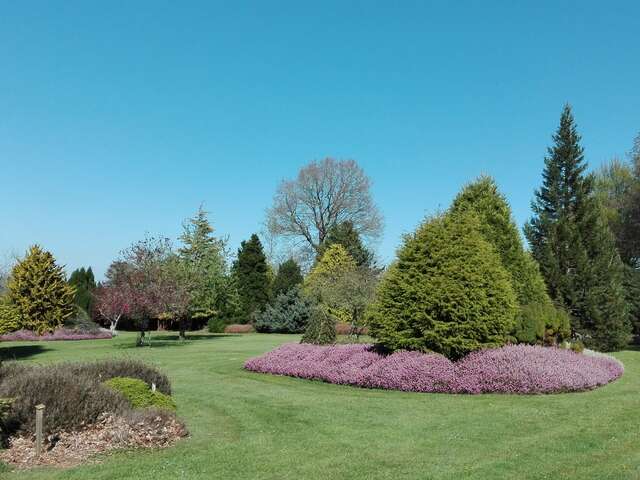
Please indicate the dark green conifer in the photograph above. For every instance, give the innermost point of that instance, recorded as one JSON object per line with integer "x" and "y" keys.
{"x": 252, "y": 277}
{"x": 574, "y": 246}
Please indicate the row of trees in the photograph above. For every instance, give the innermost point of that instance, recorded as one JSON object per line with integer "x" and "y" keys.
{"x": 580, "y": 278}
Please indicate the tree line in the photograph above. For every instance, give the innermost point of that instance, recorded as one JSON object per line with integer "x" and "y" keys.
{"x": 579, "y": 276}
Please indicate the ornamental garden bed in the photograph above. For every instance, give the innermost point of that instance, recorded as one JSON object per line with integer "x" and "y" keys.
{"x": 58, "y": 334}
{"x": 513, "y": 369}
{"x": 90, "y": 408}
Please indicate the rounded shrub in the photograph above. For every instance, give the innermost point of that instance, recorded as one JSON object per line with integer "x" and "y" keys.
{"x": 447, "y": 291}
{"x": 216, "y": 325}
{"x": 289, "y": 313}
{"x": 139, "y": 393}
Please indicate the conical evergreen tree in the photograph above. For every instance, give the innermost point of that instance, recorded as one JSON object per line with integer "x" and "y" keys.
{"x": 289, "y": 275}
{"x": 571, "y": 241}
{"x": 39, "y": 291}
{"x": 447, "y": 291}
{"x": 537, "y": 320}
{"x": 85, "y": 283}
{"x": 204, "y": 261}
{"x": 252, "y": 277}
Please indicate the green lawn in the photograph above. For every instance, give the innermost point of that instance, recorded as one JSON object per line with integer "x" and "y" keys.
{"x": 250, "y": 426}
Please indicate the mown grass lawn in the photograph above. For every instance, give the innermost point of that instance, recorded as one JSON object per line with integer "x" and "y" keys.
{"x": 249, "y": 426}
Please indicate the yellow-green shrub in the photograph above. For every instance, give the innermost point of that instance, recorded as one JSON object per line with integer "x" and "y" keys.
{"x": 447, "y": 291}
{"x": 139, "y": 393}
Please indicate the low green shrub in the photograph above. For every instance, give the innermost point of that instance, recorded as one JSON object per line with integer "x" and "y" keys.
{"x": 321, "y": 329}
{"x": 216, "y": 325}
{"x": 139, "y": 393}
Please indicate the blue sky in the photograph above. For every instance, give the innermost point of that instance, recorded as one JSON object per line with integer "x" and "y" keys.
{"x": 120, "y": 118}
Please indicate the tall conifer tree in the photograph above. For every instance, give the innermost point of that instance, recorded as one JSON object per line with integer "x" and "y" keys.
{"x": 85, "y": 283}
{"x": 571, "y": 241}
{"x": 252, "y": 278}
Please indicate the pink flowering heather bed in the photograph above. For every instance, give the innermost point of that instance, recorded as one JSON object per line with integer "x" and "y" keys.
{"x": 59, "y": 334}
{"x": 521, "y": 369}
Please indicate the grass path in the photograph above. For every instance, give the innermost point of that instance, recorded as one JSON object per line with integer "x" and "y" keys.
{"x": 249, "y": 426}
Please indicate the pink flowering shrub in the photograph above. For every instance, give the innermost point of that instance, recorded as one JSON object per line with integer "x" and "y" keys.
{"x": 511, "y": 369}
{"x": 58, "y": 334}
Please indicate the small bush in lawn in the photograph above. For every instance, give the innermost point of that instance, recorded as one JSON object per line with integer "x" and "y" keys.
{"x": 321, "y": 329}
{"x": 71, "y": 400}
{"x": 216, "y": 325}
{"x": 139, "y": 394}
{"x": 238, "y": 328}
{"x": 106, "y": 369}
{"x": 289, "y": 313}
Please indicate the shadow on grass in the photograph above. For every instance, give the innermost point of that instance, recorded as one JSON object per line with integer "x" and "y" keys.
{"x": 163, "y": 341}
{"x": 19, "y": 352}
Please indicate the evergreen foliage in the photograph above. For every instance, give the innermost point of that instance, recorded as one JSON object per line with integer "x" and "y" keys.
{"x": 330, "y": 270}
{"x": 346, "y": 235}
{"x": 252, "y": 279}
{"x": 289, "y": 275}
{"x": 216, "y": 325}
{"x": 446, "y": 292}
{"x": 498, "y": 227}
{"x": 574, "y": 246}
{"x": 632, "y": 287}
{"x": 203, "y": 258}
{"x": 288, "y": 313}
{"x": 333, "y": 264}
{"x": 321, "y": 329}
{"x": 9, "y": 318}
{"x": 85, "y": 283}
{"x": 39, "y": 291}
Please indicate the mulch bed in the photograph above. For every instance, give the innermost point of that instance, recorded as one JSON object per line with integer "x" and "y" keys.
{"x": 109, "y": 433}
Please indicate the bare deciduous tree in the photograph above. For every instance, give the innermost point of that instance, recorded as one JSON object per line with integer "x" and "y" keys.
{"x": 324, "y": 194}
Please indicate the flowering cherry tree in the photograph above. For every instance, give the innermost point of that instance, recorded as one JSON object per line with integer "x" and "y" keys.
{"x": 111, "y": 303}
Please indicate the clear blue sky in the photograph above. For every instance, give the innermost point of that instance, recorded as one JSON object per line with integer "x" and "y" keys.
{"x": 120, "y": 118}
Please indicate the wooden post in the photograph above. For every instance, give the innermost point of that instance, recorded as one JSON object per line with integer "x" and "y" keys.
{"x": 39, "y": 414}
{"x": 153, "y": 387}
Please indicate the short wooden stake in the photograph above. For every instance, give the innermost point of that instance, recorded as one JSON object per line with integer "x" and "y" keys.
{"x": 39, "y": 415}
{"x": 153, "y": 387}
